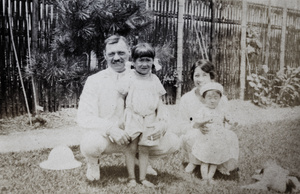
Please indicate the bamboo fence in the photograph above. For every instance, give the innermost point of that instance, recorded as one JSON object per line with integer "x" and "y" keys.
{"x": 220, "y": 22}
{"x": 217, "y": 22}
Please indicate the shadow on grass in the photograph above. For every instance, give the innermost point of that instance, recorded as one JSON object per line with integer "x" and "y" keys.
{"x": 234, "y": 175}
{"x": 113, "y": 175}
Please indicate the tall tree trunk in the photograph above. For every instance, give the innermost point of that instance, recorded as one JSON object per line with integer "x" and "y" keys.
{"x": 243, "y": 52}
{"x": 179, "y": 48}
{"x": 283, "y": 33}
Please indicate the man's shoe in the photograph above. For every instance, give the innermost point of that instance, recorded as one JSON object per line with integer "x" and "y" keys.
{"x": 147, "y": 183}
{"x": 131, "y": 183}
{"x": 93, "y": 170}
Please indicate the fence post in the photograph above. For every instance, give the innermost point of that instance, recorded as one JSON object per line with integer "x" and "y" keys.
{"x": 283, "y": 32}
{"x": 34, "y": 46}
{"x": 179, "y": 47}
{"x": 268, "y": 35}
{"x": 213, "y": 32}
{"x": 243, "y": 51}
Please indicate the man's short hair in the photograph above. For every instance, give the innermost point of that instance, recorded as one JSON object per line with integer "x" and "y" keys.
{"x": 115, "y": 39}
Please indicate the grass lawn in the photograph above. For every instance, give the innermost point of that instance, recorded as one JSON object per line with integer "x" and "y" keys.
{"x": 20, "y": 172}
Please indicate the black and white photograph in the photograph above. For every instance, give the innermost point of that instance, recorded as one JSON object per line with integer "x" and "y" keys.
{"x": 150, "y": 96}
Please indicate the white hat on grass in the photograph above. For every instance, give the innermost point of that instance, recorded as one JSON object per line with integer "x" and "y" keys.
{"x": 211, "y": 86}
{"x": 60, "y": 158}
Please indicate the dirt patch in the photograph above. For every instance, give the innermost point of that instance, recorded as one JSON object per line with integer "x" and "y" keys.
{"x": 51, "y": 120}
{"x": 245, "y": 113}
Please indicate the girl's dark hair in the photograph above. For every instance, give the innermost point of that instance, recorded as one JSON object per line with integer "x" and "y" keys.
{"x": 142, "y": 50}
{"x": 206, "y": 66}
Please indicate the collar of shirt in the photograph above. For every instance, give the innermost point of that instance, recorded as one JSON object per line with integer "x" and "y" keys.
{"x": 115, "y": 75}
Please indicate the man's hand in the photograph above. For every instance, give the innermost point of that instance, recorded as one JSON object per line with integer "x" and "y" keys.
{"x": 160, "y": 130}
{"x": 118, "y": 136}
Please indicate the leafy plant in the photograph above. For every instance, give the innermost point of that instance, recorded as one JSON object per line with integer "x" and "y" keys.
{"x": 254, "y": 46}
{"x": 284, "y": 89}
{"x": 261, "y": 89}
{"x": 171, "y": 77}
{"x": 164, "y": 55}
{"x": 287, "y": 86}
{"x": 63, "y": 76}
{"x": 83, "y": 25}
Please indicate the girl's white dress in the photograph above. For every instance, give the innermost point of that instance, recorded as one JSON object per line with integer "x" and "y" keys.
{"x": 220, "y": 145}
{"x": 142, "y": 100}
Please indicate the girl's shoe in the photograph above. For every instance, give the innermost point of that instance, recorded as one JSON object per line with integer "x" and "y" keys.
{"x": 190, "y": 167}
{"x": 147, "y": 183}
{"x": 131, "y": 183}
{"x": 151, "y": 171}
{"x": 224, "y": 171}
{"x": 204, "y": 181}
{"x": 211, "y": 182}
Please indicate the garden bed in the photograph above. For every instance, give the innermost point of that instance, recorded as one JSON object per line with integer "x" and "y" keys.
{"x": 52, "y": 120}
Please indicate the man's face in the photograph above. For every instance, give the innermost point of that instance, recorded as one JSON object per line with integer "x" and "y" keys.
{"x": 117, "y": 55}
{"x": 143, "y": 65}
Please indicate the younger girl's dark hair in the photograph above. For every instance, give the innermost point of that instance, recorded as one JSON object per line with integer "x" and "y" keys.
{"x": 142, "y": 50}
{"x": 204, "y": 93}
{"x": 206, "y": 66}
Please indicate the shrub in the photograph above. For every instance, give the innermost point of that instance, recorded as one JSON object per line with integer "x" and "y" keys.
{"x": 260, "y": 89}
{"x": 287, "y": 87}
{"x": 284, "y": 89}
{"x": 58, "y": 74}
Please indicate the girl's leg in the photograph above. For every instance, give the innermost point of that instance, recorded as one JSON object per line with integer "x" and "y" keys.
{"x": 204, "y": 171}
{"x": 150, "y": 169}
{"x": 143, "y": 163}
{"x": 190, "y": 167}
{"x": 212, "y": 171}
{"x": 129, "y": 159}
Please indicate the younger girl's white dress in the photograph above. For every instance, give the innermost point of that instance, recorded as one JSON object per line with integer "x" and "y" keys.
{"x": 220, "y": 145}
{"x": 142, "y": 100}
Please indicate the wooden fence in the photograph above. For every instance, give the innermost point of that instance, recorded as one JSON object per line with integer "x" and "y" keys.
{"x": 219, "y": 22}
{"x": 220, "y": 26}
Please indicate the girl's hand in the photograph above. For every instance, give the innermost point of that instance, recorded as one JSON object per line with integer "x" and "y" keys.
{"x": 204, "y": 130}
{"x": 235, "y": 124}
{"x": 202, "y": 126}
